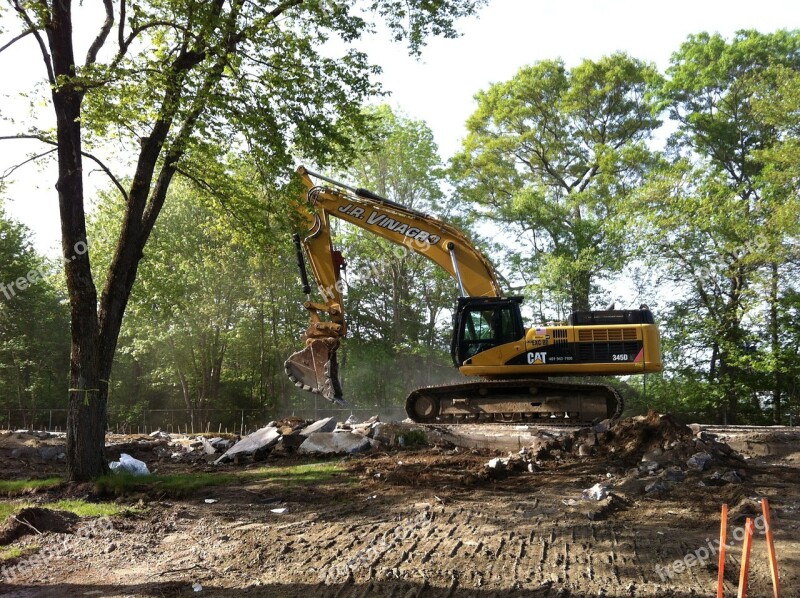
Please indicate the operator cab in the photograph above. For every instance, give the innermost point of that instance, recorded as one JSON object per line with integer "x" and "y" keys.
{"x": 481, "y": 323}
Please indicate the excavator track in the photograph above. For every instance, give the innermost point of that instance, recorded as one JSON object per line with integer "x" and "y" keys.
{"x": 531, "y": 400}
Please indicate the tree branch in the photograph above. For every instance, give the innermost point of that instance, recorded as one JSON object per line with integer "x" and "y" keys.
{"x": 48, "y": 62}
{"x": 11, "y": 169}
{"x": 91, "y": 55}
{"x": 95, "y": 159}
{"x": 121, "y": 28}
{"x": 16, "y": 39}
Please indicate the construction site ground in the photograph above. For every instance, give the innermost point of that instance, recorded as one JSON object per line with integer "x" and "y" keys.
{"x": 405, "y": 522}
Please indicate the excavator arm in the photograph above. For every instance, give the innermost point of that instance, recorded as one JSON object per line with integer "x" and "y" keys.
{"x": 490, "y": 341}
{"x": 315, "y": 367}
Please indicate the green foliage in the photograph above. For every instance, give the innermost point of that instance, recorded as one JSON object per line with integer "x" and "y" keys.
{"x": 552, "y": 154}
{"x": 204, "y": 326}
{"x": 721, "y": 219}
{"x": 34, "y": 341}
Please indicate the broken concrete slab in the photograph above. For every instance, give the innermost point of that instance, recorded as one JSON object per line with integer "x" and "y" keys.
{"x": 324, "y": 425}
{"x": 260, "y": 439}
{"x": 207, "y": 446}
{"x": 334, "y": 442}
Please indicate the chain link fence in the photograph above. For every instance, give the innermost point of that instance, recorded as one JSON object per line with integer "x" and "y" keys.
{"x": 216, "y": 421}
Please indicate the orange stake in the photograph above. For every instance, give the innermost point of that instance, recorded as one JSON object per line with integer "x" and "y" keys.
{"x": 773, "y": 561}
{"x": 723, "y": 538}
{"x": 748, "y": 542}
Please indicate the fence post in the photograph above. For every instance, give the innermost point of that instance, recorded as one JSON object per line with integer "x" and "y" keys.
{"x": 243, "y": 434}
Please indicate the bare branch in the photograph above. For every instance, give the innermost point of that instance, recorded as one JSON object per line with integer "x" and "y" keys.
{"x": 125, "y": 43}
{"x": 10, "y": 170}
{"x": 92, "y": 157}
{"x": 48, "y": 62}
{"x": 91, "y": 55}
{"x": 16, "y": 39}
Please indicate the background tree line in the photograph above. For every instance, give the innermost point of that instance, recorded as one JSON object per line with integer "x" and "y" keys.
{"x": 606, "y": 182}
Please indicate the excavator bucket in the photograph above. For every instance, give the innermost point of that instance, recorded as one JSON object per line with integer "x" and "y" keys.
{"x": 315, "y": 369}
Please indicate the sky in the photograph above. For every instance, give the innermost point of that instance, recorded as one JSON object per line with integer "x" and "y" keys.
{"x": 439, "y": 87}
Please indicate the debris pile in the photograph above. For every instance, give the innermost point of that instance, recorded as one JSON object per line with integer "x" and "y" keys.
{"x": 644, "y": 454}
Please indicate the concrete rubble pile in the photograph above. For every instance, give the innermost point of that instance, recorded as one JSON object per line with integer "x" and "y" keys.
{"x": 325, "y": 437}
{"x": 641, "y": 455}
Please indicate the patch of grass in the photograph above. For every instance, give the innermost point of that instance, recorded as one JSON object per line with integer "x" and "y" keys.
{"x": 9, "y": 508}
{"x": 309, "y": 473}
{"x": 14, "y": 553}
{"x": 184, "y": 484}
{"x": 16, "y": 487}
{"x": 81, "y": 508}
{"x": 86, "y": 509}
{"x": 179, "y": 484}
{"x": 414, "y": 438}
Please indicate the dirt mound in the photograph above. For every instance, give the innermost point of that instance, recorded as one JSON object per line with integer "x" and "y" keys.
{"x": 632, "y": 438}
{"x": 35, "y": 520}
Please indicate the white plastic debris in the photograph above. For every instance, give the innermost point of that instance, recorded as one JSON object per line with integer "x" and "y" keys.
{"x": 128, "y": 464}
{"x": 211, "y": 501}
{"x": 596, "y": 492}
{"x": 280, "y": 511}
{"x": 197, "y": 587}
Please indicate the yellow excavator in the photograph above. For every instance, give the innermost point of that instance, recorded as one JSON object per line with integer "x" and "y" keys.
{"x": 518, "y": 368}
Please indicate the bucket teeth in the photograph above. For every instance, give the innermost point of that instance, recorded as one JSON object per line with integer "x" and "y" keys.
{"x": 315, "y": 369}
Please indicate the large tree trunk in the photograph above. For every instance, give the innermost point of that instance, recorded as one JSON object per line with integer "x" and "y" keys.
{"x": 86, "y": 417}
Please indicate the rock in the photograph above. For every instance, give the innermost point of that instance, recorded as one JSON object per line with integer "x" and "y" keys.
{"x": 714, "y": 480}
{"x": 334, "y": 442}
{"x": 292, "y": 441}
{"x": 324, "y": 425}
{"x": 656, "y": 486}
{"x": 584, "y": 450}
{"x": 607, "y": 506}
{"x": 25, "y": 452}
{"x": 653, "y": 456}
{"x": 698, "y": 461}
{"x": 603, "y": 426}
{"x": 649, "y": 467}
{"x": 673, "y": 474}
{"x": 221, "y": 444}
{"x": 51, "y": 453}
{"x": 352, "y": 421}
{"x": 260, "y": 439}
{"x": 497, "y": 463}
{"x": 596, "y": 492}
{"x": 732, "y": 477}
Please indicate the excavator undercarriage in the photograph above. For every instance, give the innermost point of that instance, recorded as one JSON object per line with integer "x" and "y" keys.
{"x": 532, "y": 400}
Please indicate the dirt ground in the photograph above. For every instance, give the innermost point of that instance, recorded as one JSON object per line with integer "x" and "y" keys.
{"x": 427, "y": 522}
